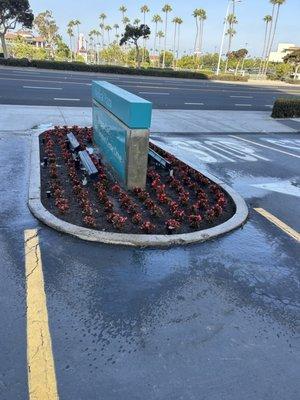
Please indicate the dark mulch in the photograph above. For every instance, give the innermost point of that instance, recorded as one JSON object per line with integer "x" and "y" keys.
{"x": 102, "y": 205}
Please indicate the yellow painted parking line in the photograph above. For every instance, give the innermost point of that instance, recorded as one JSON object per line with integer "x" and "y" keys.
{"x": 281, "y": 225}
{"x": 41, "y": 371}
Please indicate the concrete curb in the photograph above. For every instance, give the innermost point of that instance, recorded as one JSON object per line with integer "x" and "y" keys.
{"x": 40, "y": 212}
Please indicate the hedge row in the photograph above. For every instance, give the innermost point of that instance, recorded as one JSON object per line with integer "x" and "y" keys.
{"x": 77, "y": 66}
{"x": 293, "y": 81}
{"x": 286, "y": 108}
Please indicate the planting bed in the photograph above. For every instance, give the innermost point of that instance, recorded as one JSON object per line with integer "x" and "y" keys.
{"x": 184, "y": 203}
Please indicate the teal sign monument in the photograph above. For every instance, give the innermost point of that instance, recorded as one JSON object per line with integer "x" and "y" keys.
{"x": 121, "y": 122}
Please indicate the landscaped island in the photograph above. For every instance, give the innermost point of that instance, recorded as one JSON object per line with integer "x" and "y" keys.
{"x": 182, "y": 201}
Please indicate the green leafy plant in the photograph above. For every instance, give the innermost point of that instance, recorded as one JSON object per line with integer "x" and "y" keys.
{"x": 286, "y": 108}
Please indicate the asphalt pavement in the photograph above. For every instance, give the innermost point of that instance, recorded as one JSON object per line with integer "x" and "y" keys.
{"x": 215, "y": 320}
{"x": 31, "y": 87}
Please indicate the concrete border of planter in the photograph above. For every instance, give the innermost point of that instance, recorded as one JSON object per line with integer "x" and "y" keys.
{"x": 41, "y": 213}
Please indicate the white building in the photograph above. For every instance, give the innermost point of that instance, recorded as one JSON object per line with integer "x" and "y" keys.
{"x": 282, "y": 50}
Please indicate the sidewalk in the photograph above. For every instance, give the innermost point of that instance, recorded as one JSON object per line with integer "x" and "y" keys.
{"x": 20, "y": 118}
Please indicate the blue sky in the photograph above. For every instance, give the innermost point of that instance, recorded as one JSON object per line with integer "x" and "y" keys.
{"x": 249, "y": 13}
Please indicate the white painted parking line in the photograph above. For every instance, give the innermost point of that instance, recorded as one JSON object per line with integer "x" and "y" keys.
{"x": 292, "y": 144}
{"x": 63, "y": 99}
{"x": 285, "y": 187}
{"x": 263, "y": 145}
{"x": 194, "y": 104}
{"x": 155, "y": 93}
{"x": 149, "y": 87}
{"x": 243, "y": 97}
{"x": 42, "y": 87}
{"x": 243, "y": 105}
{"x": 215, "y": 152}
{"x": 269, "y": 105}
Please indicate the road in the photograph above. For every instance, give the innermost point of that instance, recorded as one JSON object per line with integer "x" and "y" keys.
{"x": 216, "y": 320}
{"x": 20, "y": 86}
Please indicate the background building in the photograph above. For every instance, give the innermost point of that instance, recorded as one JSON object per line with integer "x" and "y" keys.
{"x": 27, "y": 35}
{"x": 282, "y": 50}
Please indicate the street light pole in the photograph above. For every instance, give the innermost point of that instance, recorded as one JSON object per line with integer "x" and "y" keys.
{"x": 224, "y": 32}
{"x": 223, "y": 37}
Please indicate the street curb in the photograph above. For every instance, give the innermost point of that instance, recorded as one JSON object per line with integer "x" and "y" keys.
{"x": 134, "y": 240}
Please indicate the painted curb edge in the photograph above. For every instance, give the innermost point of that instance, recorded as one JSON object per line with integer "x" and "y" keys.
{"x": 135, "y": 240}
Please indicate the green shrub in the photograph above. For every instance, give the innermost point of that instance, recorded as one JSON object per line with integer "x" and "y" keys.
{"x": 286, "y": 108}
{"x": 114, "y": 69}
{"x": 229, "y": 77}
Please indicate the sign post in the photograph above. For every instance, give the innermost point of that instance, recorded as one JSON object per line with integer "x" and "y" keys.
{"x": 121, "y": 122}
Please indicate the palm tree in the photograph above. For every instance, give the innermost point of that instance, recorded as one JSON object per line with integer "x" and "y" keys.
{"x": 160, "y": 35}
{"x": 116, "y": 28}
{"x": 136, "y": 21}
{"x": 102, "y": 27}
{"x": 196, "y": 15}
{"x": 71, "y": 35}
{"x": 231, "y": 32}
{"x": 77, "y": 23}
{"x": 275, "y": 11}
{"x": 97, "y": 34}
{"x": 91, "y": 36}
{"x": 126, "y": 21}
{"x": 156, "y": 19}
{"x": 175, "y": 22}
{"x": 267, "y": 19}
{"x": 179, "y": 22}
{"x": 144, "y": 10}
{"x": 200, "y": 16}
{"x": 166, "y": 9}
{"x": 108, "y": 29}
{"x": 203, "y": 17}
{"x": 123, "y": 10}
{"x": 102, "y": 18}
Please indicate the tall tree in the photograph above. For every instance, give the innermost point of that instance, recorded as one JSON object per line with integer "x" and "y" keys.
{"x": 46, "y": 27}
{"x": 116, "y": 28}
{"x": 97, "y": 34}
{"x": 133, "y": 34}
{"x": 136, "y": 21}
{"x": 144, "y": 10}
{"x": 13, "y": 12}
{"x": 160, "y": 35}
{"x": 77, "y": 23}
{"x": 293, "y": 58}
{"x": 200, "y": 16}
{"x": 70, "y": 33}
{"x": 126, "y": 21}
{"x": 267, "y": 19}
{"x": 231, "y": 32}
{"x": 239, "y": 56}
{"x": 123, "y": 10}
{"x": 166, "y": 10}
{"x": 108, "y": 29}
{"x": 179, "y": 22}
{"x": 156, "y": 19}
{"x": 102, "y": 18}
{"x": 92, "y": 44}
{"x": 175, "y": 22}
{"x": 276, "y": 7}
